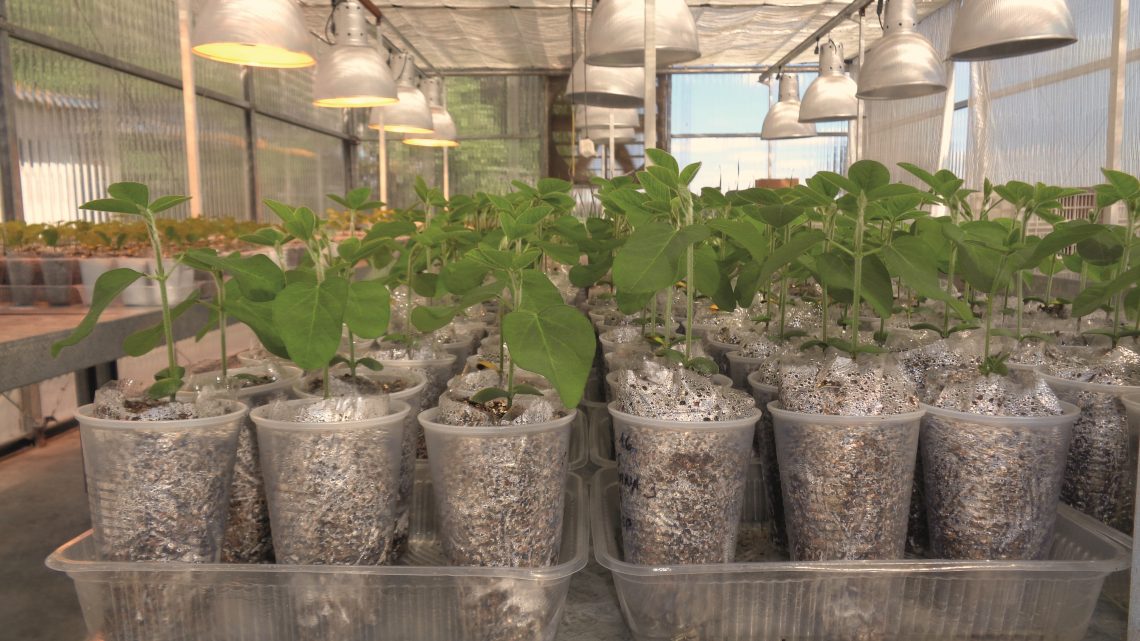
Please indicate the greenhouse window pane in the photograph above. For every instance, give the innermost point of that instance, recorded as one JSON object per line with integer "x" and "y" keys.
{"x": 497, "y": 105}
{"x": 491, "y": 165}
{"x": 82, "y": 127}
{"x": 736, "y": 163}
{"x": 298, "y": 166}
{"x": 290, "y": 92}
{"x": 225, "y": 174}
{"x": 718, "y": 103}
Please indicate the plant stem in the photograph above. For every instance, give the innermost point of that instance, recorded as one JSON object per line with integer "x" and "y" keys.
{"x": 857, "y": 286}
{"x": 161, "y": 276}
{"x": 1125, "y": 265}
{"x": 222, "y": 323}
{"x": 989, "y": 323}
{"x": 690, "y": 277}
{"x": 328, "y": 391}
{"x": 352, "y": 355}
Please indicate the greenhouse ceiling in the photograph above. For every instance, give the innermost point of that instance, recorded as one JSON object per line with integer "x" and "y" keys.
{"x": 544, "y": 36}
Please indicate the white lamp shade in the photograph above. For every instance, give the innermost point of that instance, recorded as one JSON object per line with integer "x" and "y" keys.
{"x": 617, "y": 87}
{"x": 991, "y": 29}
{"x": 903, "y": 64}
{"x": 597, "y": 117}
{"x": 616, "y": 37}
{"x": 783, "y": 119}
{"x": 256, "y": 33}
{"x": 831, "y": 96}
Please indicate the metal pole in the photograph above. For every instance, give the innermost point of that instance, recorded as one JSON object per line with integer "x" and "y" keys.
{"x": 650, "y": 76}
{"x": 1116, "y": 87}
{"x": 446, "y": 176}
{"x": 190, "y": 111}
{"x": 947, "y": 118}
{"x": 613, "y": 156}
{"x": 383, "y": 162}
{"x": 12, "y": 206}
{"x": 860, "y": 111}
{"x": 251, "y": 143}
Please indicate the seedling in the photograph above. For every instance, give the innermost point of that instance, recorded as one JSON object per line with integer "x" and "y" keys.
{"x": 133, "y": 199}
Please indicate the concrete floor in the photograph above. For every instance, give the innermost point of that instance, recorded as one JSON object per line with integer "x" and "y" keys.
{"x": 42, "y": 506}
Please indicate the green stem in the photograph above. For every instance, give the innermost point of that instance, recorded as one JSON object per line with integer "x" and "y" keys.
{"x": 857, "y": 286}
{"x": 222, "y": 323}
{"x": 352, "y": 355}
{"x": 1125, "y": 265}
{"x": 161, "y": 276}
{"x": 690, "y": 277}
{"x": 989, "y": 323}
{"x": 328, "y": 391}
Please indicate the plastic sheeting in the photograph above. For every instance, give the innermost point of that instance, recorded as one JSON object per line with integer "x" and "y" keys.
{"x": 1044, "y": 117}
{"x": 911, "y": 130}
{"x": 542, "y": 35}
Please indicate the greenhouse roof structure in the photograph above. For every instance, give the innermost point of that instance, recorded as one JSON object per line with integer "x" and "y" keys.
{"x": 472, "y": 36}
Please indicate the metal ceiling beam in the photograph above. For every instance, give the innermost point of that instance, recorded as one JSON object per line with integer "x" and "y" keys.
{"x": 810, "y": 41}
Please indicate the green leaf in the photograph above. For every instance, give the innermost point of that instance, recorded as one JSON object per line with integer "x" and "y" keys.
{"x": 538, "y": 292}
{"x": 1061, "y": 237}
{"x": 370, "y": 363}
{"x": 107, "y": 288}
{"x": 799, "y": 243}
{"x": 164, "y": 387}
{"x": 552, "y": 186}
{"x": 589, "y": 275}
{"x": 747, "y": 233}
{"x": 649, "y": 260}
{"x": 283, "y": 211}
{"x": 1093, "y": 296}
{"x": 702, "y": 365}
{"x": 488, "y": 394}
{"x": 689, "y": 173}
{"x": 1126, "y": 186}
{"x": 112, "y": 205}
{"x": 869, "y": 175}
{"x": 1102, "y": 249}
{"x": 426, "y": 284}
{"x": 840, "y": 182}
{"x": 462, "y": 276}
{"x": 557, "y": 342}
{"x": 909, "y": 258}
{"x": 367, "y": 309}
{"x": 309, "y": 317}
{"x": 134, "y": 193}
{"x": 166, "y": 202}
{"x": 565, "y": 254}
{"x": 663, "y": 159}
{"x": 391, "y": 229}
{"x": 779, "y": 215}
{"x": 429, "y": 319}
{"x": 258, "y": 277}
{"x": 530, "y": 390}
{"x": 143, "y": 341}
{"x": 876, "y": 288}
{"x": 258, "y": 316}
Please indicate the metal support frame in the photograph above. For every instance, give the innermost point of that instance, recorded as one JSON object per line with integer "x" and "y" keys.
{"x": 810, "y": 41}
{"x": 1116, "y": 85}
{"x": 650, "y": 76}
{"x": 189, "y": 111}
{"x": 12, "y": 205}
{"x": 9, "y": 141}
{"x": 251, "y": 144}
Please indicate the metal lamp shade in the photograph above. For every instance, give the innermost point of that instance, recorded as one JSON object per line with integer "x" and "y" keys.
{"x": 783, "y": 119}
{"x": 903, "y": 64}
{"x": 599, "y": 117}
{"x": 831, "y": 96}
{"x": 256, "y": 33}
{"x": 616, "y": 37}
{"x": 409, "y": 116}
{"x": 602, "y": 134}
{"x": 619, "y": 88}
{"x": 991, "y": 29}
{"x": 444, "y": 133}
{"x": 352, "y": 73}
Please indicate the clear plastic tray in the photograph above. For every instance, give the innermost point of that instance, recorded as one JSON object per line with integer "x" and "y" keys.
{"x": 421, "y": 600}
{"x": 932, "y": 600}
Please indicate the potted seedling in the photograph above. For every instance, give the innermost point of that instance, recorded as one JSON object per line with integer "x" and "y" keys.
{"x": 162, "y": 467}
{"x": 332, "y": 466}
{"x": 60, "y": 270}
{"x": 846, "y": 426}
{"x": 1100, "y": 471}
{"x": 682, "y": 443}
{"x": 994, "y": 440}
{"x": 502, "y": 418}
{"x": 248, "y": 537}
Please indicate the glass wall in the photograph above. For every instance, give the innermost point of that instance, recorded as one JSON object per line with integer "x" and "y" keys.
{"x": 716, "y": 120}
